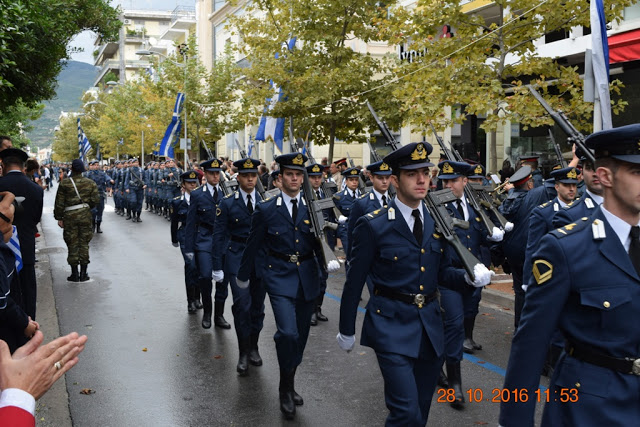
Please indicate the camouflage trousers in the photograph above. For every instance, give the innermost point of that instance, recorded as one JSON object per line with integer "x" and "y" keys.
{"x": 77, "y": 233}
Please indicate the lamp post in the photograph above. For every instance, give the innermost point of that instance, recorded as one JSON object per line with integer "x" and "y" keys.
{"x": 183, "y": 50}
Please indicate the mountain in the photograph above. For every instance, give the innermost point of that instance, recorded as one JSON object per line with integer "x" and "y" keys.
{"x": 74, "y": 79}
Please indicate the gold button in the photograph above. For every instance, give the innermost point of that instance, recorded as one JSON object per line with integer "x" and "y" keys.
{"x": 577, "y": 385}
{"x": 297, "y": 263}
{"x": 269, "y": 265}
{"x": 606, "y": 304}
{"x": 276, "y": 232}
{"x": 421, "y": 288}
{"x": 441, "y": 250}
{"x": 296, "y": 228}
{"x": 469, "y": 248}
{"x": 378, "y": 311}
{"x": 297, "y": 241}
{"x": 468, "y": 237}
{"x": 395, "y": 258}
{"x": 422, "y": 269}
{"x": 421, "y": 251}
{"x": 236, "y": 219}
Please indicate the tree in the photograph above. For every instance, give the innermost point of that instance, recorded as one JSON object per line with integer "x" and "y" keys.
{"x": 15, "y": 121}
{"x": 65, "y": 141}
{"x": 34, "y": 38}
{"x": 485, "y": 66}
{"x": 325, "y": 70}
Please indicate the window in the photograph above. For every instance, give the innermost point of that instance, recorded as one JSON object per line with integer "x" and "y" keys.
{"x": 217, "y": 4}
{"x": 632, "y": 12}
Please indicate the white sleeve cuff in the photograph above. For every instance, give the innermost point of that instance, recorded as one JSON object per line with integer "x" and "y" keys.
{"x": 19, "y": 398}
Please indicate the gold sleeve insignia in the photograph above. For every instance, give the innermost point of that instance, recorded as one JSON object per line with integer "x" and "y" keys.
{"x": 542, "y": 271}
{"x": 218, "y": 211}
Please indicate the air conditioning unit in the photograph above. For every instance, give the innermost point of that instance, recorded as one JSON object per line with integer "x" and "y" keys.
{"x": 127, "y": 21}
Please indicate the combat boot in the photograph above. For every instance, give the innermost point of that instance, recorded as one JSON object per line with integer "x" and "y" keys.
{"x": 254, "y": 356}
{"x": 297, "y": 399}
{"x": 75, "y": 277}
{"x": 139, "y": 220}
{"x": 321, "y": 317}
{"x": 469, "y": 344}
{"x": 455, "y": 382}
{"x": 208, "y": 308}
{"x": 218, "y": 318}
{"x": 314, "y": 319}
{"x": 191, "y": 296}
{"x": 83, "y": 273}
{"x": 287, "y": 406}
{"x": 244, "y": 344}
{"x": 128, "y": 214}
{"x": 98, "y": 227}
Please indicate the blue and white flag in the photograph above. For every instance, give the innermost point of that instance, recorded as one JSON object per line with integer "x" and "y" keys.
{"x": 251, "y": 146}
{"x": 600, "y": 61}
{"x": 14, "y": 245}
{"x": 83, "y": 143}
{"x": 272, "y": 128}
{"x": 173, "y": 130}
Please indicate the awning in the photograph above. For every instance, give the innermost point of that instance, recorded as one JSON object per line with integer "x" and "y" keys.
{"x": 624, "y": 47}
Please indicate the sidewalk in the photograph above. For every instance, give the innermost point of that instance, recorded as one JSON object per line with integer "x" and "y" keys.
{"x": 500, "y": 293}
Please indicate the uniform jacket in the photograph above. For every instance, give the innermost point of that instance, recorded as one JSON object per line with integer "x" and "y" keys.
{"x": 133, "y": 179}
{"x": 201, "y": 217}
{"x": 179, "y": 209}
{"x": 344, "y": 201}
{"x": 66, "y": 197}
{"x": 232, "y": 219}
{"x": 587, "y": 287}
{"x": 363, "y": 205}
{"x": 27, "y": 220}
{"x": 100, "y": 178}
{"x": 585, "y": 206}
{"x": 273, "y": 230}
{"x": 385, "y": 250}
{"x": 474, "y": 238}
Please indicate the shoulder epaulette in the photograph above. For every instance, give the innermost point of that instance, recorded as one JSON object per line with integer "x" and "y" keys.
{"x": 177, "y": 198}
{"x": 337, "y": 196}
{"x": 544, "y": 205}
{"x": 377, "y": 213}
{"x": 362, "y": 196}
{"x": 571, "y": 228}
{"x": 229, "y": 195}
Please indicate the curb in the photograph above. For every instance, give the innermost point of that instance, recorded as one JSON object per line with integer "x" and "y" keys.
{"x": 498, "y": 300}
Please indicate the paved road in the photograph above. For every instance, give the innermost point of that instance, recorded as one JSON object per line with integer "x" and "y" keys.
{"x": 186, "y": 377}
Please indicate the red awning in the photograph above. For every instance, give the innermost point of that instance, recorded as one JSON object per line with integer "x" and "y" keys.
{"x": 624, "y": 47}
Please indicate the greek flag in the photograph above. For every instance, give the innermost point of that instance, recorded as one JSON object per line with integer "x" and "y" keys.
{"x": 14, "y": 245}
{"x": 272, "y": 128}
{"x": 83, "y": 143}
{"x": 173, "y": 130}
{"x": 600, "y": 61}
{"x": 251, "y": 146}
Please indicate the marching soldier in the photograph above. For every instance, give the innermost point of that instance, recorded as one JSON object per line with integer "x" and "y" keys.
{"x": 75, "y": 198}
{"x": 179, "y": 209}
{"x": 134, "y": 187}
{"x": 102, "y": 180}
{"x": 233, "y": 221}
{"x": 586, "y": 282}
{"x": 281, "y": 227}
{"x": 586, "y": 205}
{"x": 399, "y": 249}
{"x": 117, "y": 197}
{"x": 343, "y": 201}
{"x": 532, "y": 162}
{"x": 199, "y": 239}
{"x": 458, "y": 300}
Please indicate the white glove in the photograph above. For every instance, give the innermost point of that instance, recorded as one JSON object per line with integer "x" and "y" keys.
{"x": 508, "y": 226}
{"x": 189, "y": 255}
{"x": 333, "y": 266}
{"x": 217, "y": 275}
{"x": 483, "y": 276}
{"x": 175, "y": 244}
{"x": 346, "y": 342}
{"x": 496, "y": 235}
{"x": 242, "y": 284}
{"x": 342, "y": 219}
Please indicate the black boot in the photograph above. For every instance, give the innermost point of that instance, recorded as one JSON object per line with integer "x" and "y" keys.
{"x": 455, "y": 382}
{"x": 208, "y": 308}
{"x": 139, "y": 220}
{"x": 93, "y": 226}
{"x": 218, "y": 317}
{"x": 191, "y": 296}
{"x": 443, "y": 381}
{"x": 321, "y": 317}
{"x": 314, "y": 319}
{"x": 128, "y": 214}
{"x": 98, "y": 227}
{"x": 287, "y": 406}
{"x": 297, "y": 399}
{"x": 254, "y": 356}
{"x": 244, "y": 344}
{"x": 469, "y": 344}
{"x": 83, "y": 273}
{"x": 75, "y": 277}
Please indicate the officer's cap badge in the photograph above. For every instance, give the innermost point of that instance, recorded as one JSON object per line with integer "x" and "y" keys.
{"x": 573, "y": 174}
{"x": 384, "y": 167}
{"x": 420, "y": 153}
{"x": 248, "y": 164}
{"x": 478, "y": 169}
{"x": 447, "y": 168}
{"x": 542, "y": 271}
{"x": 354, "y": 172}
{"x": 315, "y": 168}
{"x": 215, "y": 164}
{"x": 298, "y": 160}
{"x": 193, "y": 175}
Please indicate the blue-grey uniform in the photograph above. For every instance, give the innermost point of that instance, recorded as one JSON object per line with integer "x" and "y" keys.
{"x": 233, "y": 222}
{"x": 199, "y": 234}
{"x": 536, "y": 174}
{"x": 403, "y": 323}
{"x": 134, "y": 188}
{"x": 291, "y": 273}
{"x": 146, "y": 176}
{"x": 173, "y": 182}
{"x": 516, "y": 208}
{"x": 102, "y": 180}
{"x": 585, "y": 206}
{"x": 343, "y": 201}
{"x": 117, "y": 177}
{"x": 586, "y": 282}
{"x": 179, "y": 209}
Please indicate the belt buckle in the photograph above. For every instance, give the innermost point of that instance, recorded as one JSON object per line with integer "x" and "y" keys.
{"x": 293, "y": 258}
{"x": 635, "y": 368}
{"x": 418, "y": 299}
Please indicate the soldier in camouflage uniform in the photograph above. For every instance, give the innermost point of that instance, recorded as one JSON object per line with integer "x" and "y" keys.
{"x": 75, "y": 198}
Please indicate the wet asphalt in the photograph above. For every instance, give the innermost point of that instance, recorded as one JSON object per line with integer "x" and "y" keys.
{"x": 150, "y": 363}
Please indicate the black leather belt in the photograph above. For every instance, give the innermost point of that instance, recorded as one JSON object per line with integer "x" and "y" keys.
{"x": 206, "y": 226}
{"x": 291, "y": 258}
{"x": 582, "y": 352}
{"x": 238, "y": 239}
{"x": 415, "y": 299}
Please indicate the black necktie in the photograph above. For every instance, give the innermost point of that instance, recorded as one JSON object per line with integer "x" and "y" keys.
{"x": 249, "y": 204}
{"x": 318, "y": 194}
{"x": 294, "y": 210}
{"x": 460, "y": 210}
{"x": 634, "y": 248}
{"x": 417, "y": 226}
{"x": 384, "y": 200}
{"x": 215, "y": 194}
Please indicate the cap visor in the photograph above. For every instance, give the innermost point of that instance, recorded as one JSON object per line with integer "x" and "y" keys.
{"x": 416, "y": 166}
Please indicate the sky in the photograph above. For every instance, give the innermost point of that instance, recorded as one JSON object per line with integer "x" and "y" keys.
{"x": 86, "y": 39}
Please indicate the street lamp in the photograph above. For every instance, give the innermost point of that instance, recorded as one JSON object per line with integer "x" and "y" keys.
{"x": 183, "y": 51}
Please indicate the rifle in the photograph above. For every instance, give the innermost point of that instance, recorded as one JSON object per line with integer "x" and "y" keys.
{"x": 376, "y": 158}
{"x": 556, "y": 147}
{"x": 361, "y": 185}
{"x": 318, "y": 224}
{"x": 391, "y": 141}
{"x": 243, "y": 155}
{"x": 469, "y": 192}
{"x": 574, "y": 136}
{"x": 328, "y": 188}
